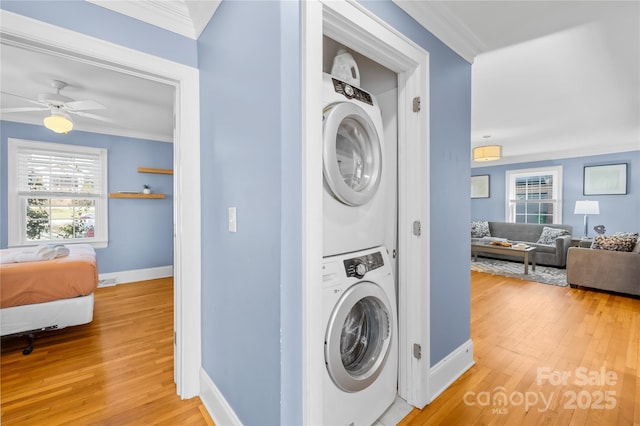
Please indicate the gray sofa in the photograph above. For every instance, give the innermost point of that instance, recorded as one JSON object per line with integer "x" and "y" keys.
{"x": 529, "y": 233}
{"x": 616, "y": 271}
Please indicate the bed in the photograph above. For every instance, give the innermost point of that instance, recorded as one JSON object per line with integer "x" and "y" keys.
{"x": 38, "y": 295}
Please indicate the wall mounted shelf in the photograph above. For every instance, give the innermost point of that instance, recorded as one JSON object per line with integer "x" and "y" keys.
{"x": 122, "y": 195}
{"x": 157, "y": 171}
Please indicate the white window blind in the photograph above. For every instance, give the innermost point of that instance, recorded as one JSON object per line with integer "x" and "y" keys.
{"x": 42, "y": 173}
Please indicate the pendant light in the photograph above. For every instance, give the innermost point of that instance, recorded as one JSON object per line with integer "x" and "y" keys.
{"x": 487, "y": 152}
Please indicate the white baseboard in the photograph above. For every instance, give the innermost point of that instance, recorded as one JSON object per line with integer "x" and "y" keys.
{"x": 219, "y": 409}
{"x": 445, "y": 372}
{"x": 115, "y": 278}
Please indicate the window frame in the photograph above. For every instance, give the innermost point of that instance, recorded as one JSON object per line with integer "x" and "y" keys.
{"x": 510, "y": 190}
{"x": 16, "y": 213}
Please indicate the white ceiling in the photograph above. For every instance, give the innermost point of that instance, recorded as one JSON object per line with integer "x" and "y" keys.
{"x": 550, "y": 79}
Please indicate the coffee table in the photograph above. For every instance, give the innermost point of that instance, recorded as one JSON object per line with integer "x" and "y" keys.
{"x": 525, "y": 253}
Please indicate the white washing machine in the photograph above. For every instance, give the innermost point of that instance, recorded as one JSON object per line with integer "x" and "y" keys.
{"x": 353, "y": 168}
{"x": 361, "y": 337}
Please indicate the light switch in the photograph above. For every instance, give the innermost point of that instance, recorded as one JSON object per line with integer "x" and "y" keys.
{"x": 232, "y": 220}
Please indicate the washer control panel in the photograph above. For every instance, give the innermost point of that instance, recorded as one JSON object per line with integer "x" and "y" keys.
{"x": 351, "y": 92}
{"x": 359, "y": 266}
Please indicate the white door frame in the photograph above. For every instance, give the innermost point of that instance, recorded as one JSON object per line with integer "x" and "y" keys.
{"x": 354, "y": 26}
{"x": 187, "y": 249}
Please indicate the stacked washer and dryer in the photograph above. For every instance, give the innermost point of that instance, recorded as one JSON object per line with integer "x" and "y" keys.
{"x": 359, "y": 297}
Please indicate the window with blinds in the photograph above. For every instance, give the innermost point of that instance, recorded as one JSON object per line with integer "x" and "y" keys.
{"x": 60, "y": 193}
{"x": 533, "y": 195}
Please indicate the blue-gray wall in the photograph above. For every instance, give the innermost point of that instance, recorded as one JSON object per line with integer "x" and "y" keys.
{"x": 618, "y": 213}
{"x": 140, "y": 230}
{"x": 450, "y": 121}
{"x": 241, "y": 95}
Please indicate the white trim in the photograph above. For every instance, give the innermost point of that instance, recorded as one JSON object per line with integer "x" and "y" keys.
{"x": 219, "y": 409}
{"x": 450, "y": 368}
{"x": 313, "y": 329}
{"x": 509, "y": 186}
{"x": 440, "y": 21}
{"x": 187, "y": 18}
{"x": 187, "y": 262}
{"x": 135, "y": 275}
{"x": 354, "y": 26}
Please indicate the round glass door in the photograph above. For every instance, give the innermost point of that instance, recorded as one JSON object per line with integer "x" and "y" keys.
{"x": 352, "y": 153}
{"x": 358, "y": 337}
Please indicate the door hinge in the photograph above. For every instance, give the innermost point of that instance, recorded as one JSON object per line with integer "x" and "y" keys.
{"x": 416, "y": 104}
{"x": 417, "y": 228}
{"x": 417, "y": 351}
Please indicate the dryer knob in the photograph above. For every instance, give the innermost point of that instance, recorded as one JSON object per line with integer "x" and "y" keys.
{"x": 361, "y": 269}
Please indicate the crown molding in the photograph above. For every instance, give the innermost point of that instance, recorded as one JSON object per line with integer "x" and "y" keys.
{"x": 184, "y": 17}
{"x": 440, "y": 21}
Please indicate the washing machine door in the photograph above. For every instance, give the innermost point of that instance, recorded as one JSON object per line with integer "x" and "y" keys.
{"x": 358, "y": 337}
{"x": 352, "y": 153}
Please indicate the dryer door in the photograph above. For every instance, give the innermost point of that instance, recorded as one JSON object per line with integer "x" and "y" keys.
{"x": 352, "y": 156}
{"x": 358, "y": 336}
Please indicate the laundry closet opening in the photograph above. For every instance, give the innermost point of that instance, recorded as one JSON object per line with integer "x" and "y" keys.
{"x": 360, "y": 204}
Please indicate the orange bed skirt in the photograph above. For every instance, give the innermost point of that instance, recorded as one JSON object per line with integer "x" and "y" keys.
{"x": 47, "y": 280}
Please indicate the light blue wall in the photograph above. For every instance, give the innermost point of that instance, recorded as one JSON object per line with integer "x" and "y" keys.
{"x": 242, "y": 103}
{"x": 617, "y": 212}
{"x": 450, "y": 121}
{"x": 140, "y": 230}
{"x": 101, "y": 23}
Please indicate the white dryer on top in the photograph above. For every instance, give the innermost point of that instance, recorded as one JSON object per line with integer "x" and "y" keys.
{"x": 353, "y": 169}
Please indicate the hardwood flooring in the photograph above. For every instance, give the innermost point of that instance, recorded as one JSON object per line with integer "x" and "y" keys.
{"x": 573, "y": 354}
{"x": 116, "y": 370}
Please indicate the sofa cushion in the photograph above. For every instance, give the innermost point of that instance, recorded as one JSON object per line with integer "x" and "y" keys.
{"x": 614, "y": 243}
{"x": 479, "y": 229}
{"x": 549, "y": 235}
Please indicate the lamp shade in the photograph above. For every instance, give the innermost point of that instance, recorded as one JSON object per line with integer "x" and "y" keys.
{"x": 58, "y": 122}
{"x": 487, "y": 153}
{"x": 587, "y": 207}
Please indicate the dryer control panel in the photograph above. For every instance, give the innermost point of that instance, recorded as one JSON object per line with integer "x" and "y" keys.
{"x": 358, "y": 266}
{"x": 351, "y": 92}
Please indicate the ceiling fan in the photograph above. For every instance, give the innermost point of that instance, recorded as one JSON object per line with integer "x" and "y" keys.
{"x": 60, "y": 106}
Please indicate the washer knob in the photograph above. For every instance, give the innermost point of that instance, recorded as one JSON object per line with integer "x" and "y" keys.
{"x": 361, "y": 269}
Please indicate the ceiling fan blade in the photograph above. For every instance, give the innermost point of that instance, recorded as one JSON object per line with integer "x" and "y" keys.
{"x": 84, "y": 105}
{"x": 33, "y": 101}
{"x": 93, "y": 116}
{"x": 22, "y": 109}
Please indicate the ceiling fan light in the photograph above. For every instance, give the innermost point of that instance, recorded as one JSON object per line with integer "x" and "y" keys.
{"x": 58, "y": 123}
{"x": 487, "y": 153}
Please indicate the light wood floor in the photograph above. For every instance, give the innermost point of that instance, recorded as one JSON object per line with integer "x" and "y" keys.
{"x": 520, "y": 327}
{"x": 117, "y": 370}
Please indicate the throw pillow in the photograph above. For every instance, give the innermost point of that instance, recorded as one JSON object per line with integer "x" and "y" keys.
{"x": 479, "y": 229}
{"x": 614, "y": 243}
{"x": 549, "y": 235}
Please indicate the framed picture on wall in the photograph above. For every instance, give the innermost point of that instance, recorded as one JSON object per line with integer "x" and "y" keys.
{"x": 610, "y": 179}
{"x": 480, "y": 186}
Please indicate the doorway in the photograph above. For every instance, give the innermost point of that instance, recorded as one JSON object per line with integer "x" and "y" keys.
{"x": 57, "y": 40}
{"x": 352, "y": 26}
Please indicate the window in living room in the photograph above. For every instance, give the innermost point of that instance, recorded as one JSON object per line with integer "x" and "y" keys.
{"x": 57, "y": 193}
{"x": 533, "y": 195}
